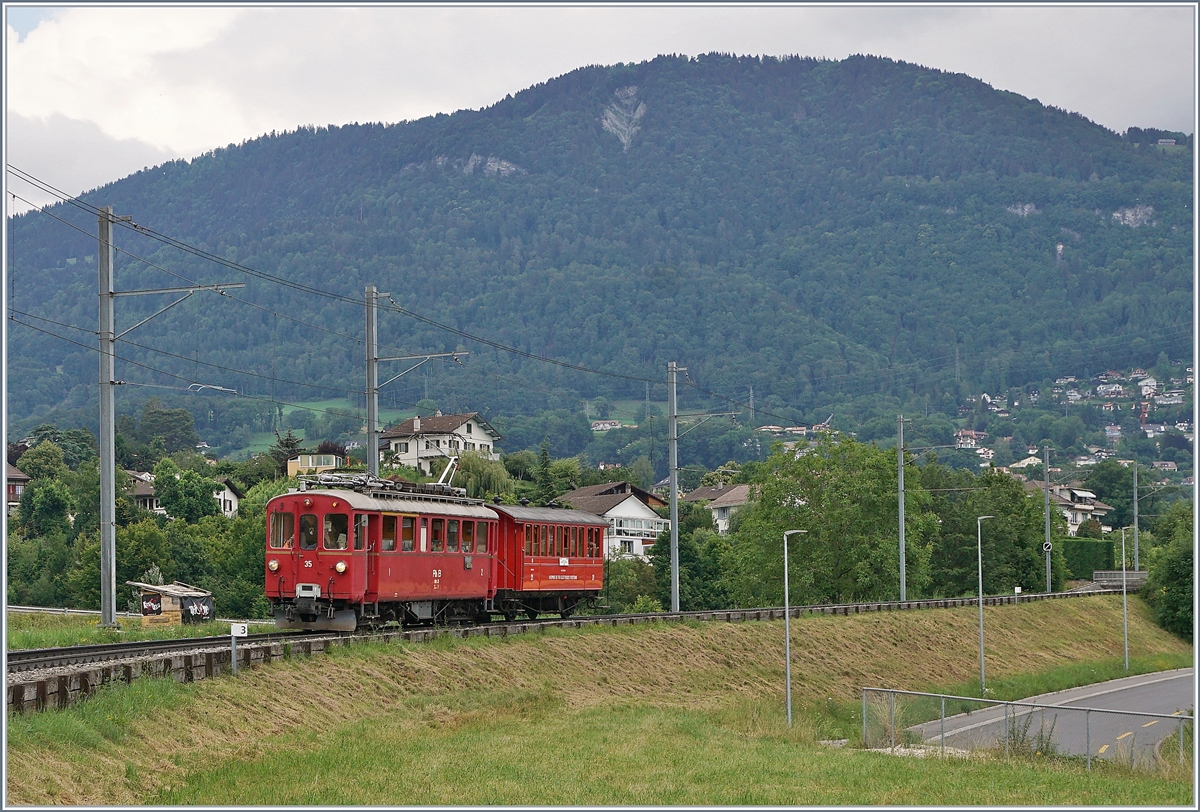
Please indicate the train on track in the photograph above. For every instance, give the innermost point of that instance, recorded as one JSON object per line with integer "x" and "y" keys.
{"x": 346, "y": 551}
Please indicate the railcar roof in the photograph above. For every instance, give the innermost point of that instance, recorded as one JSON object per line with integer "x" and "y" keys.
{"x": 403, "y": 503}
{"x": 549, "y": 515}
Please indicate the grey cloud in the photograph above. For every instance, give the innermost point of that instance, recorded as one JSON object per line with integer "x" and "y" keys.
{"x": 72, "y": 155}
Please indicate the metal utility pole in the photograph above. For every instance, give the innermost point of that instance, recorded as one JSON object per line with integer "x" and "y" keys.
{"x": 373, "y": 385}
{"x": 372, "y": 382}
{"x": 673, "y": 461}
{"x": 108, "y": 455}
{"x": 1046, "y": 475}
{"x": 979, "y": 548}
{"x": 900, "y": 469}
{"x": 1135, "y": 517}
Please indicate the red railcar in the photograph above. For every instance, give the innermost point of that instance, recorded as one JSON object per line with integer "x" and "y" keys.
{"x": 548, "y": 560}
{"x": 357, "y": 550}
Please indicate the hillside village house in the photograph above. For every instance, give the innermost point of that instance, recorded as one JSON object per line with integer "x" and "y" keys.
{"x": 313, "y": 463}
{"x": 17, "y": 480}
{"x": 419, "y": 440}
{"x": 228, "y": 495}
{"x": 728, "y": 503}
{"x": 633, "y": 526}
{"x": 1075, "y": 503}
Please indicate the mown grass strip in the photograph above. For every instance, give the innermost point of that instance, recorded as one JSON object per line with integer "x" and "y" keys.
{"x": 49, "y": 630}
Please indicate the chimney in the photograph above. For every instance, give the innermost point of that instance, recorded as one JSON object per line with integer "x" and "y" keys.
{"x": 417, "y": 423}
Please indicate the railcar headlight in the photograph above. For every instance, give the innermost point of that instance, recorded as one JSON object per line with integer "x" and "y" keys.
{"x": 340, "y": 566}
{"x": 273, "y": 565}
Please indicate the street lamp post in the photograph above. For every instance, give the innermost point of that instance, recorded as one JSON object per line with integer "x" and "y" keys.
{"x": 979, "y": 538}
{"x": 1124, "y": 600}
{"x": 787, "y": 628}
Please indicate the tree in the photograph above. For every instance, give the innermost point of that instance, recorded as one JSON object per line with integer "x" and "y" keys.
{"x": 483, "y": 478}
{"x": 843, "y": 493}
{"x": 644, "y": 471}
{"x": 285, "y": 448}
{"x": 1169, "y": 583}
{"x": 43, "y": 461}
{"x": 184, "y": 495}
{"x": 45, "y": 508}
{"x": 427, "y": 407}
{"x": 176, "y": 427}
{"x": 543, "y": 479}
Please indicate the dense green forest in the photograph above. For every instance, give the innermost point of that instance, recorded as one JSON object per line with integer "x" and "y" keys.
{"x": 854, "y": 237}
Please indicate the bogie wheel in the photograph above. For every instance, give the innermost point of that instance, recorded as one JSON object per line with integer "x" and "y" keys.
{"x": 531, "y": 614}
{"x": 510, "y": 616}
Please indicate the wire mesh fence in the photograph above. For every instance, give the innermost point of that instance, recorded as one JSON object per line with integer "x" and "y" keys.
{"x": 917, "y": 723}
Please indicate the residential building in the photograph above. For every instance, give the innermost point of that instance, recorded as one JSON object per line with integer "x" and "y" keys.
{"x": 605, "y": 425}
{"x": 1075, "y": 503}
{"x": 1027, "y": 462}
{"x": 228, "y": 495}
{"x": 17, "y": 480}
{"x": 1164, "y": 465}
{"x": 313, "y": 463}
{"x": 1110, "y": 390}
{"x": 966, "y": 438}
{"x": 728, "y": 503}
{"x": 633, "y": 526}
{"x": 418, "y": 441}
{"x": 143, "y": 492}
{"x": 706, "y": 493}
{"x": 1112, "y": 434}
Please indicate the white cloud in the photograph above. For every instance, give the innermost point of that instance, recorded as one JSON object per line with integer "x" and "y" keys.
{"x": 179, "y": 81}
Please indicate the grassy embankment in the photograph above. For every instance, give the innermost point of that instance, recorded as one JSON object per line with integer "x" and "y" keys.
{"x": 670, "y": 714}
{"x": 44, "y": 630}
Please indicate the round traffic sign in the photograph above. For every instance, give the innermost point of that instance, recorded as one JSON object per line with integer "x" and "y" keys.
{"x": 1047, "y": 546}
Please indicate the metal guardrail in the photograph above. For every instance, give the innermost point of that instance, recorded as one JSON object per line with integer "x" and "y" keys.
{"x": 1012, "y": 730}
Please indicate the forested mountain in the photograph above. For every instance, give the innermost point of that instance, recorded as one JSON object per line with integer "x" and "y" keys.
{"x": 824, "y": 231}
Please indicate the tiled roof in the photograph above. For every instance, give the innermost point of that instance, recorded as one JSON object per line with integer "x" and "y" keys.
{"x": 15, "y": 474}
{"x": 736, "y": 496}
{"x": 438, "y": 424}
{"x": 706, "y": 493}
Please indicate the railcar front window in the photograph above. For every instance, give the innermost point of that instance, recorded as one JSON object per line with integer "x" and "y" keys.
{"x": 360, "y": 531}
{"x": 388, "y": 543}
{"x": 337, "y": 526}
{"x": 283, "y": 531}
{"x": 308, "y": 531}
{"x": 468, "y": 537}
{"x": 438, "y": 537}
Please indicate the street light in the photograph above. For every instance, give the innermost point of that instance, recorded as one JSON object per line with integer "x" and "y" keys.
{"x": 1124, "y": 600}
{"x": 979, "y": 538}
{"x": 787, "y": 628}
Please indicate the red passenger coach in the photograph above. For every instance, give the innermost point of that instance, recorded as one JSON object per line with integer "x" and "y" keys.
{"x": 548, "y": 560}
{"x": 358, "y": 550}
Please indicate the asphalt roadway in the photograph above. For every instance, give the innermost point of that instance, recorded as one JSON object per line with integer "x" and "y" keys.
{"x": 1111, "y": 735}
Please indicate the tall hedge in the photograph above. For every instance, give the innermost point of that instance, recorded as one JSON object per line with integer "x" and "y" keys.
{"x": 1085, "y": 556}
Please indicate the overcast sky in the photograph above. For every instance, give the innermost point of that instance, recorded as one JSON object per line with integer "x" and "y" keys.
{"x": 93, "y": 93}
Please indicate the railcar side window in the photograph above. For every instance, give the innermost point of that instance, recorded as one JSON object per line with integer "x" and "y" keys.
{"x": 283, "y": 531}
{"x": 481, "y": 538}
{"x": 545, "y": 540}
{"x": 389, "y": 534}
{"x": 438, "y": 535}
{"x": 360, "y": 531}
{"x": 558, "y": 541}
{"x": 337, "y": 526}
{"x": 528, "y": 539}
{"x": 452, "y": 536}
{"x": 468, "y": 537}
{"x": 308, "y": 531}
{"x": 406, "y": 537}
{"x": 575, "y": 542}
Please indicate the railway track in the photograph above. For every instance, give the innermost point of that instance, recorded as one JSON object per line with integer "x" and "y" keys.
{"x": 21, "y": 660}
{"x": 25, "y": 660}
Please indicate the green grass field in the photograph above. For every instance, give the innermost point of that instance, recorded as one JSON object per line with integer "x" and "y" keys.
{"x": 664, "y": 714}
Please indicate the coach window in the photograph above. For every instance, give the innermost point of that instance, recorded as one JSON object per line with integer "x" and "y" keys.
{"x": 481, "y": 537}
{"x": 388, "y": 544}
{"x": 437, "y": 539}
{"x": 468, "y": 537}
{"x": 452, "y": 536}
{"x": 574, "y": 542}
{"x": 337, "y": 526}
{"x": 360, "y": 531}
{"x": 308, "y": 531}
{"x": 545, "y": 540}
{"x": 283, "y": 530}
{"x": 406, "y": 534}
{"x": 528, "y": 539}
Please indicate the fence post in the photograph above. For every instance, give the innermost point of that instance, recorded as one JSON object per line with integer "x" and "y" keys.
{"x": 892, "y": 704}
{"x": 864, "y": 717}
{"x": 1181, "y": 741}
{"x": 1006, "y": 731}
{"x": 943, "y": 725}
{"x": 1087, "y": 718}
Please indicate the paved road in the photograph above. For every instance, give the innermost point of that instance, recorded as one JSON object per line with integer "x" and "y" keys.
{"x": 1110, "y": 735}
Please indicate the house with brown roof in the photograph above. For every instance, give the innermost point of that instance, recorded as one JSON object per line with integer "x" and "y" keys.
{"x": 633, "y": 526}
{"x": 728, "y": 503}
{"x": 1075, "y": 503}
{"x": 418, "y": 441}
{"x": 706, "y": 493}
{"x": 17, "y": 480}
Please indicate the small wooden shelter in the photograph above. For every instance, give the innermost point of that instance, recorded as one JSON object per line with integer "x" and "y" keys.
{"x": 175, "y": 603}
